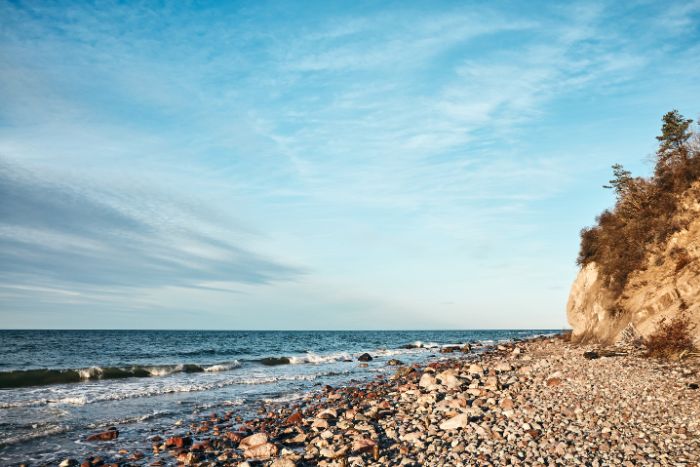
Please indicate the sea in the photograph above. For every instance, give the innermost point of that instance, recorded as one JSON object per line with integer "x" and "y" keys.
{"x": 56, "y": 387}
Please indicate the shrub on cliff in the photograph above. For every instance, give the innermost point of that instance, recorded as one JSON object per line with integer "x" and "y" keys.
{"x": 644, "y": 213}
{"x": 671, "y": 339}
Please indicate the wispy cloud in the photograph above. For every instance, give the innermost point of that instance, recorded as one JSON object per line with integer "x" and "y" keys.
{"x": 76, "y": 236}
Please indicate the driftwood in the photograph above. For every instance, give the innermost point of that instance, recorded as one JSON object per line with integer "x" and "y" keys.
{"x": 592, "y": 355}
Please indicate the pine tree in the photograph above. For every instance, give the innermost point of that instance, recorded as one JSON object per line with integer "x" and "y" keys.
{"x": 675, "y": 133}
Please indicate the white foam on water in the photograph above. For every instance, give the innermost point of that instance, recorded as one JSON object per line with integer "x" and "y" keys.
{"x": 128, "y": 420}
{"x": 392, "y": 352}
{"x": 71, "y": 400}
{"x": 103, "y": 391}
{"x": 37, "y": 432}
{"x": 223, "y": 367}
{"x": 164, "y": 370}
{"x": 214, "y": 404}
{"x": 314, "y": 358}
{"x": 90, "y": 373}
{"x": 287, "y": 398}
{"x": 424, "y": 345}
{"x": 68, "y": 400}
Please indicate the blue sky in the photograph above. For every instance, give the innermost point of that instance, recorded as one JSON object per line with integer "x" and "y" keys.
{"x": 324, "y": 165}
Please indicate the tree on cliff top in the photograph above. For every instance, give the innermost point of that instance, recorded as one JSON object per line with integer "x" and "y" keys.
{"x": 643, "y": 215}
{"x": 675, "y": 133}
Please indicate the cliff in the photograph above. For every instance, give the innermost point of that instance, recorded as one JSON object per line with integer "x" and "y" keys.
{"x": 667, "y": 285}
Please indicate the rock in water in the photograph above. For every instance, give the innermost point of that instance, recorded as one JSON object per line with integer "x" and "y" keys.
{"x": 110, "y": 434}
{"x": 178, "y": 442}
{"x": 365, "y": 357}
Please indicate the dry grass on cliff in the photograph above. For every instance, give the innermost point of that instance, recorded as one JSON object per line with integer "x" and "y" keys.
{"x": 672, "y": 339}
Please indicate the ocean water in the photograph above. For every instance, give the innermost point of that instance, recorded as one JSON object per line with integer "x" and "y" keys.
{"x": 58, "y": 386}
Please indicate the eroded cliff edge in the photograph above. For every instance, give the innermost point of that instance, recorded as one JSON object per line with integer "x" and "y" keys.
{"x": 667, "y": 286}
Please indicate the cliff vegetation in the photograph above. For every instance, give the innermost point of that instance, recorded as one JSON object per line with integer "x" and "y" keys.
{"x": 644, "y": 216}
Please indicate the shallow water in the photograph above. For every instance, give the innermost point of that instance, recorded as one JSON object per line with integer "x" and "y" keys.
{"x": 57, "y": 386}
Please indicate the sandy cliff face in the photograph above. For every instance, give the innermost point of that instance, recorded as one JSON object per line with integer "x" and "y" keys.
{"x": 669, "y": 285}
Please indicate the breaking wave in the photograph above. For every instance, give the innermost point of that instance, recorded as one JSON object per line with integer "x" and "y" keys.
{"x": 45, "y": 377}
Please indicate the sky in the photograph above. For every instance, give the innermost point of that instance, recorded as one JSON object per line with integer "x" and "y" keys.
{"x": 320, "y": 165}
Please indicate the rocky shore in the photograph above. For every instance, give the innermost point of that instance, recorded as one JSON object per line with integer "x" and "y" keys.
{"x": 540, "y": 402}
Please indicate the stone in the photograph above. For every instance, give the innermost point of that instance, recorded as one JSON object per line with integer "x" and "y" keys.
{"x": 507, "y": 404}
{"x": 363, "y": 444}
{"x": 261, "y": 451}
{"x": 298, "y": 439}
{"x": 109, "y": 435}
{"x": 252, "y": 441}
{"x": 68, "y": 463}
{"x": 178, "y": 442}
{"x": 491, "y": 383}
{"x": 427, "y": 380}
{"x": 329, "y": 413}
{"x": 502, "y": 367}
{"x": 403, "y": 372}
{"x": 233, "y": 436}
{"x": 294, "y": 419}
{"x": 283, "y": 462}
{"x": 320, "y": 423}
{"x": 553, "y": 381}
{"x": 452, "y": 381}
{"x": 412, "y": 437}
{"x": 394, "y": 362}
{"x": 333, "y": 454}
{"x": 365, "y": 357}
{"x": 458, "y": 421}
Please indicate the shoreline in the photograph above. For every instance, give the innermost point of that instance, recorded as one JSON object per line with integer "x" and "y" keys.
{"x": 534, "y": 402}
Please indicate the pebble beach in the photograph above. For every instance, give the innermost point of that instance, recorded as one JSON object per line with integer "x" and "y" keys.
{"x": 538, "y": 402}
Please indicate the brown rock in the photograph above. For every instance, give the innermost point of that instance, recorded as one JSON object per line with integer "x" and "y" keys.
{"x": 108, "y": 435}
{"x": 553, "y": 382}
{"x": 363, "y": 445}
{"x": 233, "y": 436}
{"x": 294, "y": 419}
{"x": 178, "y": 442}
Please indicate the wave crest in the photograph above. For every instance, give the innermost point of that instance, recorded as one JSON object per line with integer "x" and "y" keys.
{"x": 46, "y": 377}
